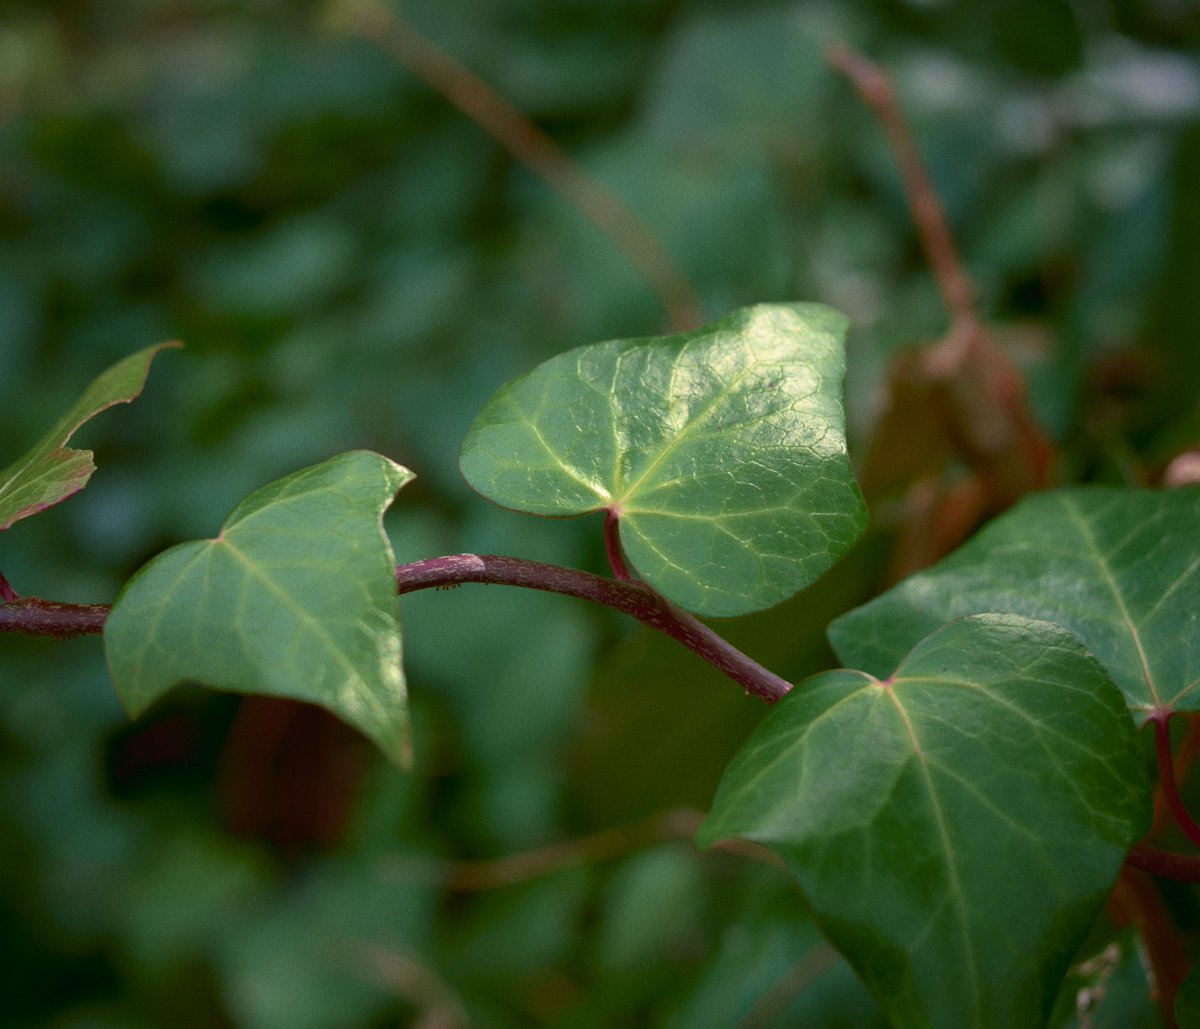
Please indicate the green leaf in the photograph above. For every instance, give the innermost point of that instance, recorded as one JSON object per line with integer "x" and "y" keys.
{"x": 1187, "y": 1001}
{"x": 1119, "y": 568}
{"x": 51, "y": 472}
{"x": 295, "y": 598}
{"x": 957, "y": 826}
{"x": 722, "y": 451}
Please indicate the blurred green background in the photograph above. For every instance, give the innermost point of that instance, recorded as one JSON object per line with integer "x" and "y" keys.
{"x": 354, "y": 263}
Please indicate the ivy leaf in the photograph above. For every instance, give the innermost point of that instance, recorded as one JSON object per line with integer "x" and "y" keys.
{"x": 1187, "y": 1001}
{"x": 51, "y": 472}
{"x": 722, "y": 452}
{"x": 1119, "y": 568}
{"x": 295, "y": 598}
{"x": 957, "y": 826}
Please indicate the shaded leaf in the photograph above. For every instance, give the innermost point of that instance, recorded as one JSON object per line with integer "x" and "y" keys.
{"x": 1119, "y": 568}
{"x": 957, "y": 826}
{"x": 296, "y": 597}
{"x": 722, "y": 451}
{"x": 51, "y": 472}
{"x": 1187, "y": 1001}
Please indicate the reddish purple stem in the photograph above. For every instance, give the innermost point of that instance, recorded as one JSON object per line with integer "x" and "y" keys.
{"x": 34, "y": 616}
{"x": 632, "y": 598}
{"x": 7, "y": 593}
{"x": 612, "y": 546}
{"x": 1166, "y": 776}
{"x": 1166, "y": 864}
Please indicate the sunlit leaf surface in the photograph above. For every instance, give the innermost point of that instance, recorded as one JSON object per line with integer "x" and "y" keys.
{"x": 722, "y": 451}
{"x": 296, "y": 597}
{"x": 1118, "y": 568}
{"x": 956, "y": 826}
{"x": 51, "y": 471}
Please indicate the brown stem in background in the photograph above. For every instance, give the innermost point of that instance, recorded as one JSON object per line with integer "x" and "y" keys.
{"x": 404, "y": 975}
{"x": 679, "y": 824}
{"x": 876, "y": 90}
{"x": 533, "y": 148}
{"x": 962, "y": 400}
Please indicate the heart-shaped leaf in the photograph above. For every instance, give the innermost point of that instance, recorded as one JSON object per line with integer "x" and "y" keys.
{"x": 721, "y": 451}
{"x": 295, "y": 598}
{"x": 51, "y": 472}
{"x": 1119, "y": 568}
{"x": 955, "y": 827}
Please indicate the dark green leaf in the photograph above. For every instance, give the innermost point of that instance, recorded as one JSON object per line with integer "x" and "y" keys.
{"x": 1187, "y": 1001}
{"x": 1118, "y": 568}
{"x": 722, "y": 451}
{"x": 51, "y": 472}
{"x": 956, "y": 826}
{"x": 295, "y": 598}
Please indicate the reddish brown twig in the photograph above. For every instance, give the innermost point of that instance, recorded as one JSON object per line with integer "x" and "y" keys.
{"x": 1136, "y": 899}
{"x": 535, "y": 149}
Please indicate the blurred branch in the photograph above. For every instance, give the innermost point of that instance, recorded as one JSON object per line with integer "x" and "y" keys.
{"x": 876, "y": 91}
{"x": 963, "y": 399}
{"x": 532, "y": 147}
{"x": 772, "y": 1006}
{"x": 679, "y": 824}
{"x": 1136, "y": 900}
{"x": 1166, "y": 864}
{"x": 413, "y": 981}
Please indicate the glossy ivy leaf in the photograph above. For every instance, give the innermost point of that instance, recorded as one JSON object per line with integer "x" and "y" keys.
{"x": 955, "y": 827}
{"x": 722, "y": 451}
{"x": 1119, "y": 568}
{"x": 51, "y": 471}
{"x": 296, "y": 597}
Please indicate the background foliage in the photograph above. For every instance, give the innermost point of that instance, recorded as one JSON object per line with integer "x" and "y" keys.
{"x": 355, "y": 264}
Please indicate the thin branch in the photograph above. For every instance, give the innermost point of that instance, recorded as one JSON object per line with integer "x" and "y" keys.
{"x": 1166, "y": 777}
{"x": 876, "y": 90}
{"x": 531, "y": 146}
{"x": 631, "y": 598}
